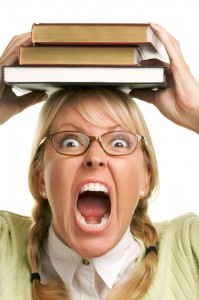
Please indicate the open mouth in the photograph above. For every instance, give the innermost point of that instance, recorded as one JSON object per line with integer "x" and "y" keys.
{"x": 93, "y": 206}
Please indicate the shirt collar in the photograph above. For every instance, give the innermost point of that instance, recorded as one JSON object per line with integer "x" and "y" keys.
{"x": 65, "y": 260}
{"x": 110, "y": 264}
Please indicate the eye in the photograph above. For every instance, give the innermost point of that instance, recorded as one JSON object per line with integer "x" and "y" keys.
{"x": 120, "y": 142}
{"x": 68, "y": 141}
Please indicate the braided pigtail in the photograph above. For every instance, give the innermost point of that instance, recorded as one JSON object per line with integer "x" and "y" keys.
{"x": 37, "y": 235}
{"x": 142, "y": 228}
{"x": 136, "y": 287}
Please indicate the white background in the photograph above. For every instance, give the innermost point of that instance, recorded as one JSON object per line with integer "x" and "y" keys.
{"x": 177, "y": 148}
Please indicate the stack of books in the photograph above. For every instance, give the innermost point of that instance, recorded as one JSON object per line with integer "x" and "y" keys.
{"x": 87, "y": 54}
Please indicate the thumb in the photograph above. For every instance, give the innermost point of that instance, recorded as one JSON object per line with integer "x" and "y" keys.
{"x": 31, "y": 98}
{"x": 145, "y": 95}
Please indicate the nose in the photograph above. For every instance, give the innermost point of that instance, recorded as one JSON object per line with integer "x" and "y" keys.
{"x": 95, "y": 157}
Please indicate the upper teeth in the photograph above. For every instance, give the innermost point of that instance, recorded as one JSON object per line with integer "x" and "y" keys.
{"x": 97, "y": 187}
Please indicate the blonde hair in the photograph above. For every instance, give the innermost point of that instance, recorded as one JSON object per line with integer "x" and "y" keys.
{"x": 124, "y": 111}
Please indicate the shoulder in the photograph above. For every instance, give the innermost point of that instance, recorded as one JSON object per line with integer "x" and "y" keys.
{"x": 13, "y": 258}
{"x": 179, "y": 238}
{"x": 186, "y": 224}
{"x": 13, "y": 227}
{"x": 11, "y": 219}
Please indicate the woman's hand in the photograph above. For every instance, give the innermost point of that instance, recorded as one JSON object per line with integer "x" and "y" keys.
{"x": 10, "y": 104}
{"x": 179, "y": 102}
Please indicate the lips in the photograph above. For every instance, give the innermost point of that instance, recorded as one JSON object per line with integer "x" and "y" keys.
{"x": 93, "y": 206}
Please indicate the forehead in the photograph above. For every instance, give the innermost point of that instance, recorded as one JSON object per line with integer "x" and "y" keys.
{"x": 94, "y": 114}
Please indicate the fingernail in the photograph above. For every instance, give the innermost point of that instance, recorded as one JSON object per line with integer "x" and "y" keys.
{"x": 154, "y": 27}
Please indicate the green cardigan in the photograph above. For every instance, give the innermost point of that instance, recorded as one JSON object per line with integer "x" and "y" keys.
{"x": 177, "y": 274}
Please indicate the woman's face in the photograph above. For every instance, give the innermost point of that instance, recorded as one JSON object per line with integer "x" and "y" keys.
{"x": 78, "y": 219}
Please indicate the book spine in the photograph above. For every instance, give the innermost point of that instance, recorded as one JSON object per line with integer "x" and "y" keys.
{"x": 3, "y": 74}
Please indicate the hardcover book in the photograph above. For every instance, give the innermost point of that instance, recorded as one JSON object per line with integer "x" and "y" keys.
{"x": 48, "y": 78}
{"x": 86, "y": 55}
{"x": 78, "y": 55}
{"x": 90, "y": 33}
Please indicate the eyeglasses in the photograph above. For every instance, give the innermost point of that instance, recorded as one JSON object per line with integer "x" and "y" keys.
{"x": 75, "y": 143}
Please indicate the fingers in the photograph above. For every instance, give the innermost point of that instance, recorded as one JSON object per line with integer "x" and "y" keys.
{"x": 171, "y": 45}
{"x": 18, "y": 40}
{"x": 10, "y": 54}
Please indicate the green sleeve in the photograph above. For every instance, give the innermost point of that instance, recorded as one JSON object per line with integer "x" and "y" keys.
{"x": 14, "y": 267}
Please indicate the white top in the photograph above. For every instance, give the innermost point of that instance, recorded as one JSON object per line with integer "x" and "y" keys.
{"x": 89, "y": 279}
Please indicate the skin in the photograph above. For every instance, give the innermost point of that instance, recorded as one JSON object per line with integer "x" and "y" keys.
{"x": 62, "y": 177}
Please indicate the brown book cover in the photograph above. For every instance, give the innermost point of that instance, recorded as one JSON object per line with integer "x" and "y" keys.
{"x": 94, "y": 33}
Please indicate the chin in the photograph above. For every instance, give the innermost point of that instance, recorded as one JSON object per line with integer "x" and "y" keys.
{"x": 93, "y": 248}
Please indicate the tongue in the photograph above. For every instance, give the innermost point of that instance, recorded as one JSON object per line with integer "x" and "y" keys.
{"x": 92, "y": 207}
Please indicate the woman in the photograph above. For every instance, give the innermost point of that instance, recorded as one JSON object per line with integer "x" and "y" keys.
{"x": 92, "y": 172}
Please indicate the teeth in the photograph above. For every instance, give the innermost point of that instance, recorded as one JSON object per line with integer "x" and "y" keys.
{"x": 97, "y": 187}
{"x": 82, "y": 220}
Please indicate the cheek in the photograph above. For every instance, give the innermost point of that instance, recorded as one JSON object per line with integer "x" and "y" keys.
{"x": 130, "y": 181}
{"x": 55, "y": 176}
{"x": 130, "y": 174}
{"x": 59, "y": 175}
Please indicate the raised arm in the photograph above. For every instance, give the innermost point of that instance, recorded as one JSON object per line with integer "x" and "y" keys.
{"x": 10, "y": 104}
{"x": 179, "y": 102}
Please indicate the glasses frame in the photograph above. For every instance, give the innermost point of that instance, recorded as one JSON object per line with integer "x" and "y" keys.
{"x": 50, "y": 137}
